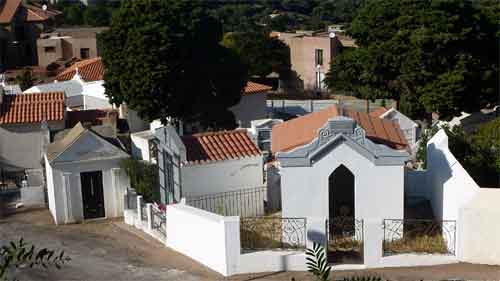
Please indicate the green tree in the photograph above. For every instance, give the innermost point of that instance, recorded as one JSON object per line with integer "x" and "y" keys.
{"x": 164, "y": 59}
{"x": 433, "y": 55}
{"x": 20, "y": 253}
{"x": 261, "y": 53}
{"x": 98, "y": 15}
{"x": 25, "y": 79}
{"x": 73, "y": 14}
{"x": 143, "y": 178}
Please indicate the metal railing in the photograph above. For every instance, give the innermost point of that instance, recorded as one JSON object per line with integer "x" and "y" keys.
{"x": 248, "y": 202}
{"x": 159, "y": 220}
{"x": 259, "y": 233}
{"x": 344, "y": 240}
{"x": 419, "y": 236}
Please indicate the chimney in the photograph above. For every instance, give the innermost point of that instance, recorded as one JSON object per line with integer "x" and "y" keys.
{"x": 111, "y": 120}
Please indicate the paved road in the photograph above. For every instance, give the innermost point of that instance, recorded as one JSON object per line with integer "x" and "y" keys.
{"x": 100, "y": 251}
{"x": 111, "y": 250}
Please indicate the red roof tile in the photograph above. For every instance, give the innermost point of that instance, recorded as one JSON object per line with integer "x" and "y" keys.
{"x": 32, "y": 108}
{"x": 302, "y": 130}
{"x": 8, "y": 10}
{"x": 89, "y": 70}
{"x": 93, "y": 116}
{"x": 217, "y": 146}
{"x": 37, "y": 13}
{"x": 256, "y": 88}
{"x": 379, "y": 111}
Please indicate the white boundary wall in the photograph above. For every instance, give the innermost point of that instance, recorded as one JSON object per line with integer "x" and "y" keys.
{"x": 210, "y": 239}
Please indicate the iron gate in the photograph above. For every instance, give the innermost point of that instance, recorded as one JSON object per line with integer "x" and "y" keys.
{"x": 344, "y": 240}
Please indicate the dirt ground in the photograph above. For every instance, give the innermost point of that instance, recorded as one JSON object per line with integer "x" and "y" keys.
{"x": 111, "y": 250}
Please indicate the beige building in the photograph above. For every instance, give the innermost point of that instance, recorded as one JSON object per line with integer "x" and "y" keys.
{"x": 68, "y": 43}
{"x": 310, "y": 55}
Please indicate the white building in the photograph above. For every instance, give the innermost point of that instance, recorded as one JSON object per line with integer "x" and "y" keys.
{"x": 84, "y": 179}
{"x": 252, "y": 105}
{"x": 409, "y": 127}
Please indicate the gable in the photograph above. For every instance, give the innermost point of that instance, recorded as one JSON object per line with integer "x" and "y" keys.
{"x": 341, "y": 130}
{"x": 90, "y": 147}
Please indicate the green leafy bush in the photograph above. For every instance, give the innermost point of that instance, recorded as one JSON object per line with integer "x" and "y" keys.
{"x": 143, "y": 178}
{"x": 317, "y": 262}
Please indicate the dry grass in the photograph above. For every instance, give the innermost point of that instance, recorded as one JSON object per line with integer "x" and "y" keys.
{"x": 420, "y": 244}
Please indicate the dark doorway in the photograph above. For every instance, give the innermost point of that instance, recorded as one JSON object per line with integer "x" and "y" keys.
{"x": 341, "y": 193}
{"x": 344, "y": 232}
{"x": 92, "y": 195}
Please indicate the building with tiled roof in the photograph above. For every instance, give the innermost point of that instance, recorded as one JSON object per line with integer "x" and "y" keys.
{"x": 207, "y": 163}
{"x": 89, "y": 70}
{"x": 26, "y": 124}
{"x": 20, "y": 25}
{"x": 32, "y": 108}
{"x": 219, "y": 146}
{"x": 252, "y": 105}
{"x": 304, "y": 129}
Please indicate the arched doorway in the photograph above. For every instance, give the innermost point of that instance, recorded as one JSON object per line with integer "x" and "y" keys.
{"x": 344, "y": 232}
{"x": 341, "y": 194}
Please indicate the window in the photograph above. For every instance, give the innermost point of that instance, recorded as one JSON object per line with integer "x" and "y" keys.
{"x": 50, "y": 49}
{"x": 264, "y": 139}
{"x": 153, "y": 150}
{"x": 84, "y": 53}
{"x": 168, "y": 172}
{"x": 319, "y": 57}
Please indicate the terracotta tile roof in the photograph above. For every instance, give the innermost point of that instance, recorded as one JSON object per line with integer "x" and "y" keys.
{"x": 89, "y": 70}
{"x": 36, "y": 13}
{"x": 302, "y": 130}
{"x": 32, "y": 108}
{"x": 379, "y": 111}
{"x": 256, "y": 88}
{"x": 8, "y": 10}
{"x": 94, "y": 117}
{"x": 217, "y": 146}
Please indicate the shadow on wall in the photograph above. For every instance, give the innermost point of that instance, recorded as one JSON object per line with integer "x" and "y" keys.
{"x": 439, "y": 172}
{"x": 316, "y": 236}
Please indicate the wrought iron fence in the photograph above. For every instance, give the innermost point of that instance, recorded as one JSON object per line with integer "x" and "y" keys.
{"x": 257, "y": 233}
{"x": 159, "y": 220}
{"x": 419, "y": 236}
{"x": 248, "y": 202}
{"x": 345, "y": 240}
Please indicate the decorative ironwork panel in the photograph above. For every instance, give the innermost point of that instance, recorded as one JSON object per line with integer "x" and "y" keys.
{"x": 345, "y": 240}
{"x": 272, "y": 233}
{"x": 419, "y": 236}
{"x": 159, "y": 220}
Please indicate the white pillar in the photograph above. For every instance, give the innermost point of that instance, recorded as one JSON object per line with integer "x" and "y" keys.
{"x": 139, "y": 210}
{"x": 68, "y": 208}
{"x": 149, "y": 212}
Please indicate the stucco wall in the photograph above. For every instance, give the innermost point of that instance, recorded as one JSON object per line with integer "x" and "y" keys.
{"x": 478, "y": 223}
{"x": 220, "y": 246}
{"x": 140, "y": 147}
{"x": 65, "y": 189}
{"x": 222, "y": 176}
{"x": 451, "y": 187}
{"x": 251, "y": 107}
{"x": 304, "y": 190}
{"x": 22, "y": 145}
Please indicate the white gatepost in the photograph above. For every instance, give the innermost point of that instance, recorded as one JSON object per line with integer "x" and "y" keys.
{"x": 138, "y": 220}
{"x": 149, "y": 213}
{"x": 373, "y": 238}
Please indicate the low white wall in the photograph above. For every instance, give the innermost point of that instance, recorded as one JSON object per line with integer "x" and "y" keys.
{"x": 208, "y": 238}
{"x": 451, "y": 187}
{"x": 480, "y": 228}
{"x": 272, "y": 261}
{"x": 231, "y": 175}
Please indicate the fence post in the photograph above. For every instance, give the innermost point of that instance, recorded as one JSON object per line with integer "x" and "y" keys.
{"x": 149, "y": 212}
{"x": 139, "y": 207}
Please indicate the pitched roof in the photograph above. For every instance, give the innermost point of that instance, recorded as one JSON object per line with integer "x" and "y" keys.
{"x": 302, "y": 130}
{"x": 107, "y": 147}
{"x": 32, "y": 108}
{"x": 37, "y": 13}
{"x": 378, "y": 112}
{"x": 8, "y": 10}
{"x": 256, "y": 88}
{"x": 89, "y": 70}
{"x": 217, "y": 146}
{"x": 57, "y": 147}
